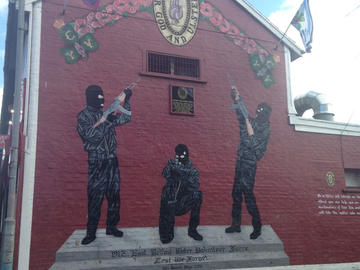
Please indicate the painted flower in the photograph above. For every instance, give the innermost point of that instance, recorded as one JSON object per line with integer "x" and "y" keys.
{"x": 121, "y": 5}
{"x": 92, "y": 21}
{"x": 216, "y": 19}
{"x": 206, "y": 9}
{"x": 225, "y": 26}
{"x": 233, "y": 31}
{"x": 145, "y": 3}
{"x": 133, "y": 6}
{"x": 103, "y": 17}
{"x": 263, "y": 55}
{"x": 252, "y": 47}
{"x": 242, "y": 42}
{"x": 111, "y": 9}
{"x": 82, "y": 27}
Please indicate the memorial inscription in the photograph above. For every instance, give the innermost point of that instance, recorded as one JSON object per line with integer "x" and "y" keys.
{"x": 338, "y": 204}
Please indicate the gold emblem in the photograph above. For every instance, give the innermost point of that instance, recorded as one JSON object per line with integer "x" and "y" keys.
{"x": 177, "y": 19}
{"x": 330, "y": 179}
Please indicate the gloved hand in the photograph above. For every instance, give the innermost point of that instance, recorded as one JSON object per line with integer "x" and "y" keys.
{"x": 111, "y": 117}
{"x": 128, "y": 93}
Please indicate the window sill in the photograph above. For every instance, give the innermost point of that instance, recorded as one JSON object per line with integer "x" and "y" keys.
{"x": 322, "y": 126}
{"x": 351, "y": 190}
{"x": 173, "y": 77}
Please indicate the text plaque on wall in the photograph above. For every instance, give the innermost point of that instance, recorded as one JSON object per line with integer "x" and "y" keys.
{"x": 181, "y": 100}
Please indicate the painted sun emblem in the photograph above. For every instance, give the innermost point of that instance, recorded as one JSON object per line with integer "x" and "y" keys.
{"x": 330, "y": 179}
{"x": 182, "y": 93}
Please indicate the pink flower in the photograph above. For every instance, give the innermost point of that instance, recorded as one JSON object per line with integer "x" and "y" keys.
{"x": 82, "y": 27}
{"x": 233, "y": 31}
{"x": 121, "y": 5}
{"x": 133, "y": 6}
{"x": 206, "y": 9}
{"x": 252, "y": 47}
{"x": 263, "y": 55}
{"x": 145, "y": 3}
{"x": 92, "y": 21}
{"x": 216, "y": 19}
{"x": 110, "y": 9}
{"x": 225, "y": 26}
{"x": 242, "y": 42}
{"x": 103, "y": 17}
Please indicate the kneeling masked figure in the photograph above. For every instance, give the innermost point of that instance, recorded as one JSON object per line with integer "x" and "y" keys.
{"x": 180, "y": 195}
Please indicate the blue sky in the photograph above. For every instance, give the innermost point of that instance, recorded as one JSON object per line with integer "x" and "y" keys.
{"x": 3, "y": 20}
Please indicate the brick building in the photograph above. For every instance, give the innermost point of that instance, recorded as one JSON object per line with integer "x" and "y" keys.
{"x": 306, "y": 184}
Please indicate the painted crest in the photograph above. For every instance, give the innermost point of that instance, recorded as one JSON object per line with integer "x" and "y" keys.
{"x": 330, "y": 179}
{"x": 177, "y": 19}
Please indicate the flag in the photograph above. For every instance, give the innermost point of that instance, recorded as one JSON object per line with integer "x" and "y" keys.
{"x": 302, "y": 21}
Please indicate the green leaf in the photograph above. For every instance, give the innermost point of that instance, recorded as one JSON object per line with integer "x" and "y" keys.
{"x": 89, "y": 43}
{"x": 68, "y": 34}
{"x": 268, "y": 80}
{"x": 70, "y": 55}
{"x": 255, "y": 62}
{"x": 112, "y": 23}
{"x": 270, "y": 63}
{"x": 125, "y": 14}
{"x": 101, "y": 8}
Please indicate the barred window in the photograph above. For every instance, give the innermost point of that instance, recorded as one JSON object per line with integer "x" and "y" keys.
{"x": 173, "y": 65}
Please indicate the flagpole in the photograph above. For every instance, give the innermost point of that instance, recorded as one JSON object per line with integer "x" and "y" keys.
{"x": 277, "y": 44}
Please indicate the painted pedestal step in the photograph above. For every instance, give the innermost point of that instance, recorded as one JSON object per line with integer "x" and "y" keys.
{"x": 140, "y": 248}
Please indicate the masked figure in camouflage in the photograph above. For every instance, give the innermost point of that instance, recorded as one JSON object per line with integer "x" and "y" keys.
{"x": 254, "y": 137}
{"x": 180, "y": 195}
{"x": 99, "y": 138}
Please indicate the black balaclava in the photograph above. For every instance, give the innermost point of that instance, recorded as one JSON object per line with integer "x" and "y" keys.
{"x": 263, "y": 112}
{"x": 182, "y": 153}
{"x": 95, "y": 96}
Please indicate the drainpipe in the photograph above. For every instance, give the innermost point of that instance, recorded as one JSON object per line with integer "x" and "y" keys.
{"x": 31, "y": 135}
{"x": 7, "y": 244}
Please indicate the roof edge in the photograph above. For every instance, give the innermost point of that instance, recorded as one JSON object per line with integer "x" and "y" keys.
{"x": 296, "y": 52}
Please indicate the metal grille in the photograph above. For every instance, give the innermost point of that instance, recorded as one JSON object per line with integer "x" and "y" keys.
{"x": 173, "y": 65}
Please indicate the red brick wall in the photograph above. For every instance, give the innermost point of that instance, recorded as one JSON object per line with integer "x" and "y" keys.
{"x": 289, "y": 177}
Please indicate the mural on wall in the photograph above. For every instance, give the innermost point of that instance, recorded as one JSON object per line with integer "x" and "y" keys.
{"x": 99, "y": 139}
{"x": 180, "y": 195}
{"x": 254, "y": 137}
{"x": 177, "y": 20}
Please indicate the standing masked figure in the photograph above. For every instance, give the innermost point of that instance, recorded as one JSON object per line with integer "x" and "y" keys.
{"x": 99, "y": 139}
{"x": 254, "y": 137}
{"x": 180, "y": 195}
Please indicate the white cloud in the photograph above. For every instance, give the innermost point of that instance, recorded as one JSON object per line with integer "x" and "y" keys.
{"x": 332, "y": 66}
{"x": 2, "y": 54}
{"x": 3, "y": 4}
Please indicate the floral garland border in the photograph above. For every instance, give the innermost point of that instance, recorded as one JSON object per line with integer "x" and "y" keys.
{"x": 261, "y": 61}
{"x": 79, "y": 34}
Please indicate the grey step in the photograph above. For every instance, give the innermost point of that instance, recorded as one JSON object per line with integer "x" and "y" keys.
{"x": 200, "y": 261}
{"x": 142, "y": 242}
{"x": 140, "y": 248}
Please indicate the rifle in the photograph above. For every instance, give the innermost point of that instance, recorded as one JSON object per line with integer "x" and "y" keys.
{"x": 115, "y": 105}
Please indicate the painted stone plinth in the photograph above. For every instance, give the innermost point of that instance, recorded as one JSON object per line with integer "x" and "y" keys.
{"x": 140, "y": 248}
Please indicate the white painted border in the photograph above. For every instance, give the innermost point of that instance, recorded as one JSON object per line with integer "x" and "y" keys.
{"x": 309, "y": 124}
{"x": 30, "y": 139}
